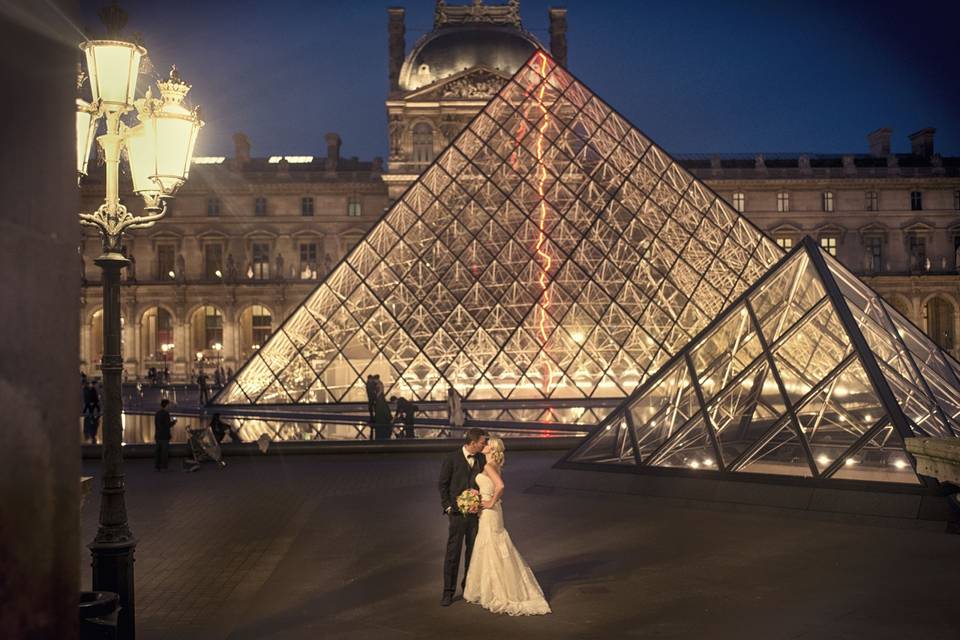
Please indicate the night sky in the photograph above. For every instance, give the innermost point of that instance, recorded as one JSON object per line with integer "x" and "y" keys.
{"x": 731, "y": 76}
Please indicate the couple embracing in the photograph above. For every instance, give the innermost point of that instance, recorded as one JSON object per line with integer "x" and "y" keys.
{"x": 471, "y": 488}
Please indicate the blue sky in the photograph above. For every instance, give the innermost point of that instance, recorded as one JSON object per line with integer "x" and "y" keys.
{"x": 728, "y": 76}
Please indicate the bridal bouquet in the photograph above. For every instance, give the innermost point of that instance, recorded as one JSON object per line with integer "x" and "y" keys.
{"x": 469, "y": 501}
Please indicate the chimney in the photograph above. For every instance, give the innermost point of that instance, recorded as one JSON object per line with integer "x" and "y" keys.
{"x": 921, "y": 142}
{"x": 333, "y": 151}
{"x": 396, "y": 45}
{"x": 879, "y": 142}
{"x": 241, "y": 148}
{"x": 558, "y": 35}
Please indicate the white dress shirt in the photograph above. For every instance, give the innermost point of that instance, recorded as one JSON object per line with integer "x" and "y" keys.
{"x": 466, "y": 456}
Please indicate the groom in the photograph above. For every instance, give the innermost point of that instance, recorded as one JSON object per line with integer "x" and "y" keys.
{"x": 459, "y": 473}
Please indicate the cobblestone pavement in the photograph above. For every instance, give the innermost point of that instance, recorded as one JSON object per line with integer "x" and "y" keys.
{"x": 350, "y": 547}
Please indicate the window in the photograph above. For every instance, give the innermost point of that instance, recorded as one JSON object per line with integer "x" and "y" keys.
{"x": 828, "y": 201}
{"x": 261, "y": 321}
{"x": 308, "y": 260}
{"x": 213, "y": 207}
{"x": 872, "y": 201}
{"x": 166, "y": 261}
{"x": 918, "y": 252}
{"x": 873, "y": 260}
{"x": 739, "y": 201}
{"x": 422, "y": 143}
{"x": 306, "y": 206}
{"x": 212, "y": 326}
{"x": 783, "y": 202}
{"x": 785, "y": 243}
{"x": 916, "y": 201}
{"x": 260, "y": 207}
{"x": 829, "y": 244}
{"x": 261, "y": 260}
{"x": 354, "y": 208}
{"x": 212, "y": 261}
{"x": 956, "y": 199}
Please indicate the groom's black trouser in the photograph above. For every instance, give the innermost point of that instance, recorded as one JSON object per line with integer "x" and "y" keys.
{"x": 462, "y": 529}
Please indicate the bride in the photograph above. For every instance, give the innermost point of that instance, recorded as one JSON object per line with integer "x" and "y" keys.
{"x": 499, "y": 579}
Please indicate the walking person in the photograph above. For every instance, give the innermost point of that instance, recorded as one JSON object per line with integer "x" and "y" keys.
{"x": 91, "y": 424}
{"x": 204, "y": 390}
{"x": 406, "y": 412}
{"x": 221, "y": 428}
{"x": 382, "y": 420}
{"x": 91, "y": 399}
{"x": 162, "y": 426}
{"x": 371, "y": 385}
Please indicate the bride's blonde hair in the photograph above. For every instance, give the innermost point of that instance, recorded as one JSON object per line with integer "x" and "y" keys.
{"x": 496, "y": 450}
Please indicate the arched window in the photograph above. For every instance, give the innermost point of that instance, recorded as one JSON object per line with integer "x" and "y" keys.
{"x": 156, "y": 331}
{"x": 422, "y": 143}
{"x": 206, "y": 325}
{"x": 939, "y": 313}
{"x": 256, "y": 325}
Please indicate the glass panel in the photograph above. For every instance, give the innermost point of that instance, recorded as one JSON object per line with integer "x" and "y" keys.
{"x": 662, "y": 410}
{"x": 882, "y": 459}
{"x": 690, "y": 448}
{"x": 780, "y": 454}
{"x": 837, "y": 416}
{"x": 746, "y": 411}
{"x": 811, "y": 352}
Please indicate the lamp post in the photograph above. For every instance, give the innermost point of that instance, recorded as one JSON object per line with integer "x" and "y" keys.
{"x": 159, "y": 149}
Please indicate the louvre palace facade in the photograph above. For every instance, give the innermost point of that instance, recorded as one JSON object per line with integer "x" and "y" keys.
{"x": 249, "y": 237}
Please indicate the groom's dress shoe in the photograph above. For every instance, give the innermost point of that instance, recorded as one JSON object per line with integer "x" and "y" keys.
{"x": 446, "y": 601}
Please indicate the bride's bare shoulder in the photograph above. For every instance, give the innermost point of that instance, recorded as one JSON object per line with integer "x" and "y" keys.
{"x": 493, "y": 473}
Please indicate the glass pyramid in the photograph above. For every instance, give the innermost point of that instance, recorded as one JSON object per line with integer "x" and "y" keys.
{"x": 551, "y": 252}
{"x": 810, "y": 373}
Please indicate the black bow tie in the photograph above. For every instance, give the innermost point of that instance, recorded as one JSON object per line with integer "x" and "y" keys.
{"x": 470, "y": 455}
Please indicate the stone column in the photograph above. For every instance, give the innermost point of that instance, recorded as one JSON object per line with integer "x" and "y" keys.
{"x": 230, "y": 351}
{"x": 181, "y": 350}
{"x": 39, "y": 382}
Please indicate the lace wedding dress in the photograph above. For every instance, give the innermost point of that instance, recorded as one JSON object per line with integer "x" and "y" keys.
{"x": 499, "y": 579}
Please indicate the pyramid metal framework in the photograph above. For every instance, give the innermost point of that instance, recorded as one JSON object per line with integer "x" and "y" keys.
{"x": 809, "y": 374}
{"x": 550, "y": 252}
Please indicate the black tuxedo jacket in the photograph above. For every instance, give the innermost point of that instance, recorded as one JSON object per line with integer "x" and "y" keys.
{"x": 456, "y": 476}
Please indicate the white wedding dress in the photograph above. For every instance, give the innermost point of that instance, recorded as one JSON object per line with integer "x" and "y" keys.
{"x": 499, "y": 579}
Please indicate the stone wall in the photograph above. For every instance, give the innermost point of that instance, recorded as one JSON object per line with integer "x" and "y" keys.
{"x": 39, "y": 384}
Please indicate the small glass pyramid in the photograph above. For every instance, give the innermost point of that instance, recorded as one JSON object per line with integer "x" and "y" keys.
{"x": 810, "y": 373}
{"x": 551, "y": 252}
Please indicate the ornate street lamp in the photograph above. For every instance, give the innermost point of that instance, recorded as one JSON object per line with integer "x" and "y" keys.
{"x": 159, "y": 149}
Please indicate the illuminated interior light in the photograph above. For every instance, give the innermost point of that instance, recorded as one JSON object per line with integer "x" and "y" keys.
{"x": 171, "y": 274}
{"x": 900, "y": 464}
{"x": 577, "y": 336}
{"x": 823, "y": 459}
{"x": 708, "y": 462}
{"x": 868, "y": 418}
{"x": 695, "y": 464}
{"x": 291, "y": 159}
{"x": 208, "y": 159}
{"x": 849, "y": 462}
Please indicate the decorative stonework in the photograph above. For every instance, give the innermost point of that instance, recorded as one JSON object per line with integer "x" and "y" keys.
{"x": 476, "y": 11}
{"x": 481, "y": 84}
{"x": 937, "y": 458}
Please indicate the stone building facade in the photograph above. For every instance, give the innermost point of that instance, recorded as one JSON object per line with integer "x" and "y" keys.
{"x": 244, "y": 241}
{"x": 249, "y": 237}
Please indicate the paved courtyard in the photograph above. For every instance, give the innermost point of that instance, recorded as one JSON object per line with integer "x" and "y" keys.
{"x": 350, "y": 546}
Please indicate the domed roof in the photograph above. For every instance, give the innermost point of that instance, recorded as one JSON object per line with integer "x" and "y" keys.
{"x": 449, "y": 50}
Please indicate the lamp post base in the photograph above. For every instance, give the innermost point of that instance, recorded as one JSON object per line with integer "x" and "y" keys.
{"x": 112, "y": 564}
